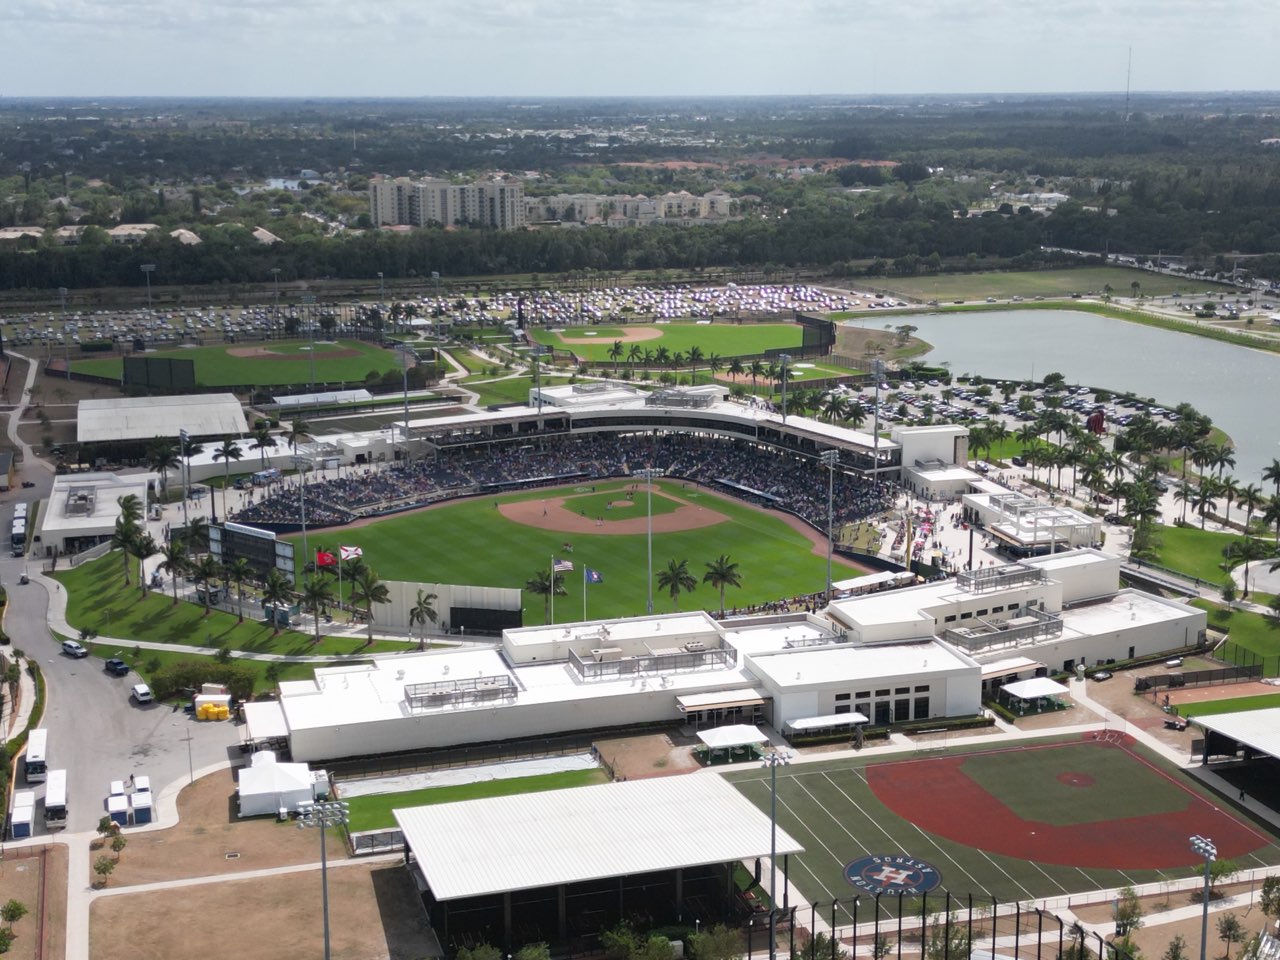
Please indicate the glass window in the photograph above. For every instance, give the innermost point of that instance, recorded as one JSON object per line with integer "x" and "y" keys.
{"x": 951, "y": 618}
{"x": 840, "y": 697}
{"x": 842, "y": 708}
{"x": 882, "y": 693}
{"x": 899, "y": 691}
{"x": 922, "y": 708}
{"x": 924, "y": 688}
{"x": 863, "y": 695}
{"x": 901, "y": 710}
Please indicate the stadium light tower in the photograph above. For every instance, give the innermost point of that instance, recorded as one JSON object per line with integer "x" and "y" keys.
{"x": 275, "y": 313}
{"x": 877, "y": 371}
{"x": 147, "y": 270}
{"x": 783, "y": 360}
{"x": 324, "y": 816}
{"x": 302, "y": 465}
{"x": 773, "y": 761}
{"x": 1203, "y": 847}
{"x": 829, "y": 460}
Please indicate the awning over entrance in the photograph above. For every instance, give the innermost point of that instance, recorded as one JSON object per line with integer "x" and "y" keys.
{"x": 738, "y": 735}
{"x": 1012, "y": 665}
{"x": 721, "y": 700}
{"x": 829, "y": 720}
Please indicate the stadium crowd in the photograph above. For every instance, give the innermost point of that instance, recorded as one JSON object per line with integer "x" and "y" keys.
{"x": 759, "y": 474}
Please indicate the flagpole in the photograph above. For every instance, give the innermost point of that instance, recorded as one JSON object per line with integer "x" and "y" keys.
{"x": 553, "y": 588}
{"x": 584, "y": 591}
{"x": 339, "y": 576}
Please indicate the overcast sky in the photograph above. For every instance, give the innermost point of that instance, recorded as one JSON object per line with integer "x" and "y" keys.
{"x": 623, "y": 47}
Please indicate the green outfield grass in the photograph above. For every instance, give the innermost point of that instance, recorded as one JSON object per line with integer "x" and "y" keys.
{"x": 97, "y": 600}
{"x": 290, "y": 363}
{"x": 1263, "y": 701}
{"x": 373, "y": 812}
{"x": 724, "y": 338}
{"x": 471, "y": 542}
{"x": 831, "y": 811}
{"x": 1255, "y": 633}
{"x": 946, "y": 288}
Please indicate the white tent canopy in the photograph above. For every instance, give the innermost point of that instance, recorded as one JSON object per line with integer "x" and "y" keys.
{"x": 1034, "y": 688}
{"x": 829, "y": 720}
{"x": 267, "y": 786}
{"x": 736, "y": 735}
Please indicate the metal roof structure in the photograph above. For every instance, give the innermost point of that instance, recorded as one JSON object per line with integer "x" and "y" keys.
{"x": 829, "y": 720}
{"x": 143, "y": 418}
{"x": 500, "y": 844}
{"x": 1258, "y": 729}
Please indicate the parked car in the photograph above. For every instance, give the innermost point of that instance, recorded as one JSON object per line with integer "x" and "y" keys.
{"x": 1018, "y": 461}
{"x": 116, "y": 667}
{"x": 73, "y": 649}
{"x": 1102, "y": 675}
{"x": 141, "y": 693}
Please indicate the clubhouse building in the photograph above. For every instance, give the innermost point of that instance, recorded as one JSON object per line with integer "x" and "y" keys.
{"x": 899, "y": 655}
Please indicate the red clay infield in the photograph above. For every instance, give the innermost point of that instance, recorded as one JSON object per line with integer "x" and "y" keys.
{"x": 551, "y": 514}
{"x": 915, "y": 790}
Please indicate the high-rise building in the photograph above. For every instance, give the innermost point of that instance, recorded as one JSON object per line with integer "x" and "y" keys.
{"x": 487, "y": 203}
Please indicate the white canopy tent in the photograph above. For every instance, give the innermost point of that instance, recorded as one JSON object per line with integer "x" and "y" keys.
{"x": 737, "y": 735}
{"x": 268, "y": 786}
{"x": 1034, "y": 688}
{"x": 805, "y": 724}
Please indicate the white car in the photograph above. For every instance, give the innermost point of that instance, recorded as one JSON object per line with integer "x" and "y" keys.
{"x": 73, "y": 649}
{"x": 141, "y": 693}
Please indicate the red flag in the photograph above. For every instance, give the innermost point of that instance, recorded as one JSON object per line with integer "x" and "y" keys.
{"x": 325, "y": 559}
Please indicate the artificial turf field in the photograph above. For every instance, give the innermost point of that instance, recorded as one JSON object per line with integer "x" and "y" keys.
{"x": 288, "y": 362}
{"x": 470, "y": 542}
{"x": 1023, "y": 823}
{"x": 723, "y": 337}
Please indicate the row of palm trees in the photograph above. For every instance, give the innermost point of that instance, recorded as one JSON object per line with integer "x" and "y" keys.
{"x": 674, "y": 579}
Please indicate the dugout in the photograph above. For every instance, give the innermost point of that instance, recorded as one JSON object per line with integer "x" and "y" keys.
{"x": 562, "y": 866}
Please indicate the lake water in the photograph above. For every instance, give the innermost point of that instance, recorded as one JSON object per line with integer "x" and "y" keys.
{"x": 1236, "y": 386}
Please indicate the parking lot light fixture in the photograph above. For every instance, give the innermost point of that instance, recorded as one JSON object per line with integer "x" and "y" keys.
{"x": 1203, "y": 847}
{"x": 324, "y": 815}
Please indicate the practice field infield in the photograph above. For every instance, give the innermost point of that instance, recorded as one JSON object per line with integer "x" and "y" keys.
{"x": 725, "y": 338}
{"x": 280, "y": 363}
{"x": 947, "y": 288}
{"x": 503, "y": 541}
{"x": 1015, "y": 824}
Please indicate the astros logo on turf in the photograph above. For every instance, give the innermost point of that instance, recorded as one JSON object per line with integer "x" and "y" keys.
{"x": 895, "y": 873}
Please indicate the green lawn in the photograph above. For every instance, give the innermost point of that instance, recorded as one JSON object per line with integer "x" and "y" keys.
{"x": 148, "y": 661}
{"x": 97, "y": 600}
{"x": 471, "y": 542}
{"x": 722, "y": 337}
{"x": 1043, "y": 283}
{"x": 509, "y": 391}
{"x": 1250, "y": 635}
{"x": 373, "y": 812}
{"x": 288, "y": 363}
{"x": 597, "y": 505}
{"x": 1263, "y": 701}
{"x": 1194, "y": 552}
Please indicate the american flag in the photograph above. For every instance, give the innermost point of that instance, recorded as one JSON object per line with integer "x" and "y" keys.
{"x": 562, "y": 566}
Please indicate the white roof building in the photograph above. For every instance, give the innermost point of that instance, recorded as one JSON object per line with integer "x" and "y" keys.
{"x": 82, "y": 509}
{"x": 143, "y": 418}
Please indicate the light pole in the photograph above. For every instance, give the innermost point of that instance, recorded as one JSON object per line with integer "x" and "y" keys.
{"x": 302, "y": 464}
{"x": 310, "y": 300}
{"x": 382, "y": 290}
{"x": 324, "y": 816}
{"x": 184, "y": 440}
{"x": 407, "y": 360}
{"x": 877, "y": 371}
{"x": 829, "y": 459}
{"x": 147, "y": 270}
{"x": 275, "y": 313}
{"x": 783, "y": 360}
{"x": 774, "y": 760}
{"x": 1203, "y": 847}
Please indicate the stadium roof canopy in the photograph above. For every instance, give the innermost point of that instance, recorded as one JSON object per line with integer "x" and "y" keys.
{"x": 1257, "y": 729}
{"x": 501, "y": 844}
{"x": 142, "y": 418}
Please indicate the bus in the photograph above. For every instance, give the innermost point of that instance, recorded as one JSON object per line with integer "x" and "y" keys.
{"x": 18, "y": 537}
{"x": 20, "y": 511}
{"x": 35, "y": 761}
{"x": 55, "y": 800}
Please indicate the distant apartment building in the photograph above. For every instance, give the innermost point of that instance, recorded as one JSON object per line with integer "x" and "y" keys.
{"x": 486, "y": 203}
{"x": 624, "y": 210}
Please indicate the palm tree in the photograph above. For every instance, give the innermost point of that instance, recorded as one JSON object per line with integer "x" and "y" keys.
{"x": 122, "y": 539}
{"x": 174, "y": 564}
{"x": 186, "y": 451}
{"x": 736, "y": 370}
{"x": 757, "y": 370}
{"x": 634, "y": 353}
{"x": 162, "y": 456}
{"x": 1184, "y": 495}
{"x": 298, "y": 432}
{"x": 317, "y": 594}
{"x": 677, "y": 579}
{"x": 541, "y": 583}
{"x": 1202, "y": 499}
{"x": 834, "y": 407}
{"x": 721, "y": 573}
{"x": 140, "y": 547}
{"x": 1224, "y": 455}
{"x": 238, "y": 570}
{"x": 662, "y": 356}
{"x": 615, "y": 354}
{"x": 130, "y": 509}
{"x": 695, "y": 356}
{"x": 197, "y": 535}
{"x": 715, "y": 363}
{"x": 262, "y": 441}
{"x": 226, "y": 452}
{"x": 1246, "y": 550}
{"x": 1271, "y": 515}
{"x": 1251, "y": 498}
{"x": 1271, "y": 474}
{"x": 367, "y": 589}
{"x": 1229, "y": 490}
{"x": 205, "y": 572}
{"x": 421, "y": 613}
{"x": 277, "y": 592}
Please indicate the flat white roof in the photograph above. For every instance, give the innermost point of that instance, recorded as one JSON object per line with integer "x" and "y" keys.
{"x": 1035, "y": 687}
{"x": 772, "y": 637}
{"x": 143, "y": 418}
{"x": 1259, "y": 729}
{"x": 660, "y": 630}
{"x": 939, "y": 475}
{"x": 999, "y": 668}
{"x": 848, "y": 663}
{"x": 96, "y": 509}
{"x": 734, "y": 735}
{"x": 1124, "y": 611}
{"x": 500, "y": 844}
{"x": 722, "y": 698}
{"x": 265, "y": 719}
{"x": 829, "y": 720}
